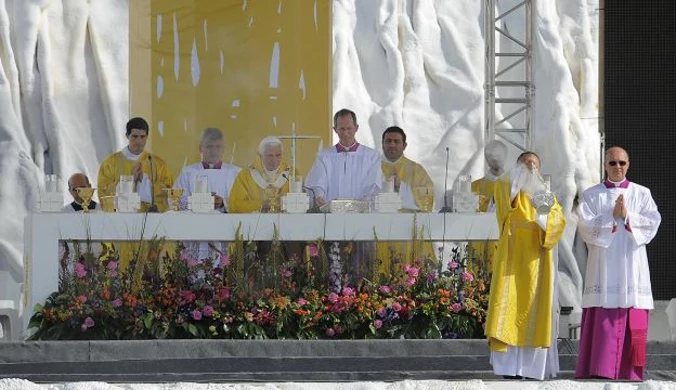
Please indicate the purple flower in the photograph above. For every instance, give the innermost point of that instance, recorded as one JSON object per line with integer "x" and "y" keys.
{"x": 347, "y": 291}
{"x": 333, "y": 297}
{"x": 385, "y": 289}
{"x": 187, "y": 296}
{"x": 286, "y": 272}
{"x": 80, "y": 270}
{"x": 431, "y": 276}
{"x": 412, "y": 272}
{"x": 453, "y": 265}
{"x": 117, "y": 302}
{"x": 410, "y": 281}
{"x": 302, "y": 301}
{"x": 208, "y": 311}
{"x": 330, "y": 332}
{"x": 224, "y": 260}
{"x": 88, "y": 323}
{"x": 112, "y": 266}
{"x": 467, "y": 276}
{"x": 196, "y": 315}
{"x": 378, "y": 324}
{"x": 314, "y": 252}
{"x": 456, "y": 307}
{"x": 224, "y": 294}
{"x": 382, "y": 312}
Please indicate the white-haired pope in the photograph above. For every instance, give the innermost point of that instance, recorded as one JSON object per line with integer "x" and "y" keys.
{"x": 220, "y": 175}
{"x": 262, "y": 184}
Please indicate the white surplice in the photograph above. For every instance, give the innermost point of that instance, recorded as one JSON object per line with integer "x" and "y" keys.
{"x": 220, "y": 181}
{"x": 617, "y": 265}
{"x": 345, "y": 175}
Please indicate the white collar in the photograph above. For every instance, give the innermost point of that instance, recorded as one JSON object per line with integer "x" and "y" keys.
{"x": 129, "y": 155}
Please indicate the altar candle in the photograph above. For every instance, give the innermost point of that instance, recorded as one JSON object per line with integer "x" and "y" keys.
{"x": 296, "y": 187}
{"x": 50, "y": 183}
{"x": 388, "y": 186}
{"x": 126, "y": 184}
{"x": 202, "y": 184}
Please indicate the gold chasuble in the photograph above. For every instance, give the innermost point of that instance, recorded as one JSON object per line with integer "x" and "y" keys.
{"x": 254, "y": 184}
{"x": 117, "y": 164}
{"x": 393, "y": 255}
{"x": 520, "y": 303}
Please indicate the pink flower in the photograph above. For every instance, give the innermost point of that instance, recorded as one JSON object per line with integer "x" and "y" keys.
{"x": 385, "y": 289}
{"x": 453, "y": 265}
{"x": 314, "y": 251}
{"x": 330, "y": 332}
{"x": 82, "y": 298}
{"x": 88, "y": 323}
{"x": 347, "y": 291}
{"x": 333, "y": 297}
{"x": 302, "y": 301}
{"x": 378, "y": 324}
{"x": 467, "y": 276}
{"x": 396, "y": 307}
{"x": 117, "y": 302}
{"x": 286, "y": 272}
{"x": 338, "y": 307}
{"x": 112, "y": 266}
{"x": 431, "y": 276}
{"x": 196, "y": 315}
{"x": 413, "y": 272}
{"x": 410, "y": 281}
{"x": 113, "y": 274}
{"x": 193, "y": 263}
{"x": 223, "y": 294}
{"x": 208, "y": 311}
{"x": 224, "y": 260}
{"x": 80, "y": 270}
{"x": 456, "y": 307}
{"x": 381, "y": 312}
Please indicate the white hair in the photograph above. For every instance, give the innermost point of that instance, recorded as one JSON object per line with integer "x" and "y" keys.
{"x": 211, "y": 134}
{"x": 268, "y": 142}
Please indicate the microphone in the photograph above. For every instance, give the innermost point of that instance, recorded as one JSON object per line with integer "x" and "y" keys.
{"x": 153, "y": 206}
{"x": 446, "y": 208}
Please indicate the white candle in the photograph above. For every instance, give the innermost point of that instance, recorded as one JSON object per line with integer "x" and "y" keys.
{"x": 388, "y": 186}
{"x": 202, "y": 185}
{"x": 296, "y": 187}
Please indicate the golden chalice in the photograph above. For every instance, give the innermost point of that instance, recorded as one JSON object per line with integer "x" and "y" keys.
{"x": 86, "y": 194}
{"x": 271, "y": 194}
{"x": 174, "y": 194}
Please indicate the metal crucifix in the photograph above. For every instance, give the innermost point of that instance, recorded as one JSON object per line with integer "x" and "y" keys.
{"x": 293, "y": 137}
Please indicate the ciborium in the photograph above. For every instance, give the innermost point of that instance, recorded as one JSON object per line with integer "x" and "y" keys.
{"x": 425, "y": 198}
{"x": 86, "y": 194}
{"x": 271, "y": 194}
{"x": 175, "y": 195}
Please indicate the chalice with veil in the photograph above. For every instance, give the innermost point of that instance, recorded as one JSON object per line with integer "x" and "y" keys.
{"x": 174, "y": 194}
{"x": 272, "y": 195}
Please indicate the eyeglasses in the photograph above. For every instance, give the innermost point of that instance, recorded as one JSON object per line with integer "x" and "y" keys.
{"x": 614, "y": 163}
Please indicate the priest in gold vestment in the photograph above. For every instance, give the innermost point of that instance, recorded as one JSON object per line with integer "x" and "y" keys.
{"x": 416, "y": 190}
{"x": 150, "y": 173}
{"x": 519, "y": 323}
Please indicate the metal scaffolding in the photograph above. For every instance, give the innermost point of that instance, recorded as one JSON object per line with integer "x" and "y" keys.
{"x": 509, "y": 89}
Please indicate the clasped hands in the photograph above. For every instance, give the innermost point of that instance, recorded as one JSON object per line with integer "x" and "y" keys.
{"x": 620, "y": 210}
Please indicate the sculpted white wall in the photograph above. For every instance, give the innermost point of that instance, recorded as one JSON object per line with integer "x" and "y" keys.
{"x": 417, "y": 64}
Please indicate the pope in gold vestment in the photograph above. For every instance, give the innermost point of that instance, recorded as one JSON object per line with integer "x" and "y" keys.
{"x": 254, "y": 185}
{"x": 520, "y": 304}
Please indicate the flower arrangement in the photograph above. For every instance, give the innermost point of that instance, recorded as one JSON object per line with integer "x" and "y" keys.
{"x": 242, "y": 294}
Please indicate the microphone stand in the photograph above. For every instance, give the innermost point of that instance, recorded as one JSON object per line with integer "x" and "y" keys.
{"x": 446, "y": 208}
{"x": 153, "y": 206}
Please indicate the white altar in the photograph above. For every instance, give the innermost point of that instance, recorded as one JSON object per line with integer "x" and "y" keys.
{"x": 44, "y": 230}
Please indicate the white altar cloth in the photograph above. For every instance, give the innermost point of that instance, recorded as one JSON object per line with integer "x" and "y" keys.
{"x": 42, "y": 232}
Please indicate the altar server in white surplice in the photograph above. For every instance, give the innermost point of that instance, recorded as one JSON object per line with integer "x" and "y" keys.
{"x": 617, "y": 220}
{"x": 220, "y": 175}
{"x": 347, "y": 170}
{"x": 220, "y": 178}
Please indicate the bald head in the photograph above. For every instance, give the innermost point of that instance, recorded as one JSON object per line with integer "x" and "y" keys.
{"x": 616, "y": 164}
{"x": 78, "y": 180}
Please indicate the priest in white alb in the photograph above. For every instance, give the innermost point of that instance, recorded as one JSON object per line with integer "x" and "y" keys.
{"x": 617, "y": 219}
{"x": 219, "y": 175}
{"x": 347, "y": 170}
